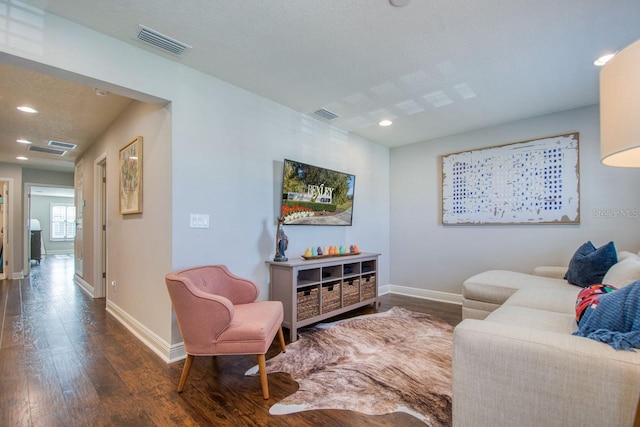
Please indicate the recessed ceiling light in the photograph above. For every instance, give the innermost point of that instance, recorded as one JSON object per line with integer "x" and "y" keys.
{"x": 603, "y": 59}
{"x": 385, "y": 122}
{"x": 23, "y": 141}
{"x": 399, "y": 3}
{"x": 22, "y": 158}
{"x": 26, "y": 109}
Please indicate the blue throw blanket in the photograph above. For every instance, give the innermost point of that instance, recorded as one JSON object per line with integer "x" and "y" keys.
{"x": 615, "y": 320}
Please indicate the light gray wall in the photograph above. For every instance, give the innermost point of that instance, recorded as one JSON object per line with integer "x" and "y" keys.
{"x": 41, "y": 210}
{"x": 226, "y": 148}
{"x": 428, "y": 256}
{"x": 139, "y": 245}
{"x": 36, "y": 176}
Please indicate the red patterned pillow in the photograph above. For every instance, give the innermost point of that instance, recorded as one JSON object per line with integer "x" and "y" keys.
{"x": 589, "y": 296}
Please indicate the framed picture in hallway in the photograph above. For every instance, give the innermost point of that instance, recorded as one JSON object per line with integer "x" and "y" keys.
{"x": 529, "y": 182}
{"x": 130, "y": 182}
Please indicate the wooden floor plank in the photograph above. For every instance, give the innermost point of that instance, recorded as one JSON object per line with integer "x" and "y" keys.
{"x": 64, "y": 361}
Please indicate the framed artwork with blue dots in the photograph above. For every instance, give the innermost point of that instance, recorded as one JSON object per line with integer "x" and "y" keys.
{"x": 529, "y": 182}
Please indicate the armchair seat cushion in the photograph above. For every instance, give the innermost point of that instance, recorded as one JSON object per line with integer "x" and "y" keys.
{"x": 252, "y": 329}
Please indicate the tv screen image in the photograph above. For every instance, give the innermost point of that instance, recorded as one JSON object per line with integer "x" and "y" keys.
{"x": 312, "y": 195}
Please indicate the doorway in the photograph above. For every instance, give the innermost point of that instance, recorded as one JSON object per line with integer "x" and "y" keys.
{"x": 51, "y": 222}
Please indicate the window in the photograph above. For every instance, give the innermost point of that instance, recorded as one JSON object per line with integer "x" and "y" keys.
{"x": 63, "y": 222}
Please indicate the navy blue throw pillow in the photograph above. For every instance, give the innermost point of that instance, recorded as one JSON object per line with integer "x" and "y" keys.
{"x": 589, "y": 265}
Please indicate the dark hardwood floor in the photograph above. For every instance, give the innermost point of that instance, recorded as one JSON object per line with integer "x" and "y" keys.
{"x": 65, "y": 362}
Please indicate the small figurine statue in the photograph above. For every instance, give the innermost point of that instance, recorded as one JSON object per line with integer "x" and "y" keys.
{"x": 282, "y": 241}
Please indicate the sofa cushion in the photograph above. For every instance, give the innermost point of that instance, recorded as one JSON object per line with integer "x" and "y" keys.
{"x": 624, "y": 272}
{"x": 589, "y": 265}
{"x": 559, "y": 299}
{"x": 532, "y": 318}
{"x": 555, "y": 271}
{"x": 473, "y": 309}
{"x": 495, "y": 286}
{"x": 625, "y": 254}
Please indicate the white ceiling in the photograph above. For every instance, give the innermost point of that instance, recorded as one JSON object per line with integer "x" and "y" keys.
{"x": 435, "y": 67}
{"x": 67, "y": 112}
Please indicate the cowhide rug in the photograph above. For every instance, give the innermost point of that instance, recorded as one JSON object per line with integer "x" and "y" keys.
{"x": 395, "y": 361}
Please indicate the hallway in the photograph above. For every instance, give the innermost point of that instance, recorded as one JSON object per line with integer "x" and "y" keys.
{"x": 64, "y": 361}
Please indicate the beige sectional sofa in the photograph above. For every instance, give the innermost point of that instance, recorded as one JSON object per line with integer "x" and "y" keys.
{"x": 516, "y": 362}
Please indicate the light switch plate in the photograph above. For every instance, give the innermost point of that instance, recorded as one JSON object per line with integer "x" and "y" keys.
{"x": 199, "y": 221}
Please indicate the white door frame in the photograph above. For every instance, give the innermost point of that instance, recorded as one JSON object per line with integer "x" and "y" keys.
{"x": 7, "y": 223}
{"x": 99, "y": 234}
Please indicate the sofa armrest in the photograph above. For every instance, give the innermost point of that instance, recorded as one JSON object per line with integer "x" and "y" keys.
{"x": 509, "y": 375}
{"x": 553, "y": 271}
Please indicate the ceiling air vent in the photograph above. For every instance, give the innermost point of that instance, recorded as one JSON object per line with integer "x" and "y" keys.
{"x": 65, "y": 145}
{"x": 47, "y": 150}
{"x": 161, "y": 41}
{"x": 325, "y": 114}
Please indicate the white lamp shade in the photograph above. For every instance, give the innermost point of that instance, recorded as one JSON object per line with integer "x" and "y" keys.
{"x": 620, "y": 109}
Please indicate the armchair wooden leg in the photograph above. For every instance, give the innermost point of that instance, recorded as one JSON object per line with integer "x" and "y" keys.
{"x": 185, "y": 372}
{"x": 283, "y": 347}
{"x": 262, "y": 367}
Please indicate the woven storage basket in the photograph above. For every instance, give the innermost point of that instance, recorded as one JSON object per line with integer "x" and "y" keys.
{"x": 350, "y": 291}
{"x": 331, "y": 296}
{"x": 308, "y": 302}
{"x": 368, "y": 284}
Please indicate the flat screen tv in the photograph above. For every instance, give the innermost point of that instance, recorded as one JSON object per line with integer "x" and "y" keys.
{"x": 312, "y": 195}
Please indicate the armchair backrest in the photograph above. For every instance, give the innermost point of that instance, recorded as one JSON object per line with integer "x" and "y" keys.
{"x": 203, "y": 299}
{"x": 218, "y": 280}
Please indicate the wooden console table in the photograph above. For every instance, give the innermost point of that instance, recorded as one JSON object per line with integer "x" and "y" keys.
{"x": 316, "y": 289}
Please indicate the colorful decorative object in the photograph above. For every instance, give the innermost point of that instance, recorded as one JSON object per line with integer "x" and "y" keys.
{"x": 588, "y": 297}
{"x": 330, "y": 251}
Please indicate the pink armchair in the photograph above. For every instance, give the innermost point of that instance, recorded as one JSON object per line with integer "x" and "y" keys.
{"x": 218, "y": 314}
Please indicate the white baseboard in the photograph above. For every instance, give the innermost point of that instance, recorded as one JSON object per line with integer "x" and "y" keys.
{"x": 174, "y": 352}
{"x": 167, "y": 352}
{"x": 84, "y": 285}
{"x": 421, "y": 293}
{"x": 177, "y": 352}
{"x": 17, "y": 276}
